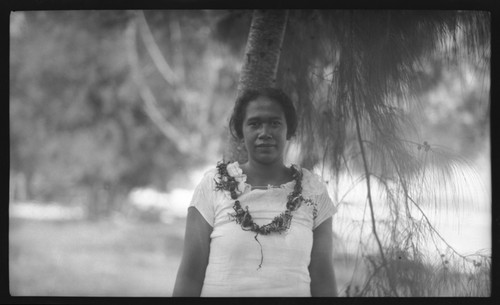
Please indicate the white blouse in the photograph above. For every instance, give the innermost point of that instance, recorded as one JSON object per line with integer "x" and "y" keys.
{"x": 235, "y": 255}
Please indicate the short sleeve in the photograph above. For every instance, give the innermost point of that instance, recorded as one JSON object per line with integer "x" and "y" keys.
{"x": 325, "y": 208}
{"x": 315, "y": 190}
{"x": 203, "y": 197}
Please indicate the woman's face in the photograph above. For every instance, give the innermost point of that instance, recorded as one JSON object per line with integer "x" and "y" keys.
{"x": 264, "y": 131}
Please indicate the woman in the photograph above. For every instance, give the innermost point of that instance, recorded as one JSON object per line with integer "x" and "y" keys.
{"x": 259, "y": 228}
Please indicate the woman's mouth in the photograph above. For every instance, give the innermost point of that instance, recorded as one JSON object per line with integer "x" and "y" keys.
{"x": 265, "y": 145}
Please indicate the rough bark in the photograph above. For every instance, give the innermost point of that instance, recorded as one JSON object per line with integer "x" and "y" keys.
{"x": 263, "y": 49}
{"x": 261, "y": 60}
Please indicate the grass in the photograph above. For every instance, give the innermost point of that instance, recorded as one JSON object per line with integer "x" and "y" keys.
{"x": 106, "y": 258}
{"x": 140, "y": 259}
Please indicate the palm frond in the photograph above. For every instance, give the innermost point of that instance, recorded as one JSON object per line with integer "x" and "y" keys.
{"x": 356, "y": 76}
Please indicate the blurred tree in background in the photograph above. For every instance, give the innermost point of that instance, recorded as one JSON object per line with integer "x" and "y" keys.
{"x": 79, "y": 125}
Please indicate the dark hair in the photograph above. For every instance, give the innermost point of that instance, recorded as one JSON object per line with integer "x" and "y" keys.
{"x": 276, "y": 95}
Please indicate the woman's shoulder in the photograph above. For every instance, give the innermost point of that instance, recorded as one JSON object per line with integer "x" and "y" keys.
{"x": 311, "y": 177}
{"x": 209, "y": 176}
{"x": 206, "y": 176}
{"x": 211, "y": 173}
{"x": 312, "y": 184}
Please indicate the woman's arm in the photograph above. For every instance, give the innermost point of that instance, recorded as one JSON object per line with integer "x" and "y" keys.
{"x": 194, "y": 260}
{"x": 321, "y": 268}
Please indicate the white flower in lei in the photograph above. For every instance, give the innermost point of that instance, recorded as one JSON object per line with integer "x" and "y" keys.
{"x": 234, "y": 170}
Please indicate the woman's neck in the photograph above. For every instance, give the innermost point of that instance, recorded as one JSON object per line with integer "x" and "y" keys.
{"x": 259, "y": 174}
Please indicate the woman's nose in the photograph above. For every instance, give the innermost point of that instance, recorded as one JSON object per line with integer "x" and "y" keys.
{"x": 264, "y": 132}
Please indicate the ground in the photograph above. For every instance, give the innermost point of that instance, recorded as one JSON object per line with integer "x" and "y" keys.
{"x": 116, "y": 257}
{"x": 106, "y": 258}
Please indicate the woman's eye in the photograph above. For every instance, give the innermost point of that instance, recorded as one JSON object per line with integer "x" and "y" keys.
{"x": 276, "y": 123}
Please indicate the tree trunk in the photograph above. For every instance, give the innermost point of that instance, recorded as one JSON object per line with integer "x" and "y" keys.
{"x": 263, "y": 49}
{"x": 261, "y": 60}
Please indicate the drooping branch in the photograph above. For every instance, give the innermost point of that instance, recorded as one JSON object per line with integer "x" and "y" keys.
{"x": 155, "y": 52}
{"x": 390, "y": 50}
{"x": 150, "y": 103}
{"x": 363, "y": 155}
{"x": 176, "y": 39}
{"x": 409, "y": 198}
{"x": 174, "y": 79}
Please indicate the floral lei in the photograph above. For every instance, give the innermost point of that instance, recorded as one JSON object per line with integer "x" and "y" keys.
{"x": 281, "y": 223}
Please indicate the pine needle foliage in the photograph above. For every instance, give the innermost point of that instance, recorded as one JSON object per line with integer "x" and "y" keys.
{"x": 355, "y": 75}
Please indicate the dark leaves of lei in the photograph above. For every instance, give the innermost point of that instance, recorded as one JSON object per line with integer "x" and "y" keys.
{"x": 280, "y": 223}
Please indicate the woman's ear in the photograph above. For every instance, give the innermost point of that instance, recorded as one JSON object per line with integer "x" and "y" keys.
{"x": 241, "y": 144}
